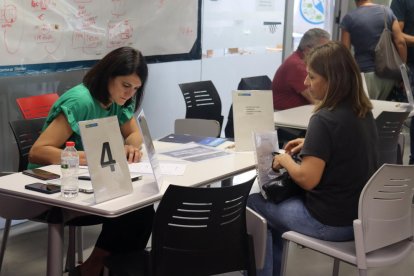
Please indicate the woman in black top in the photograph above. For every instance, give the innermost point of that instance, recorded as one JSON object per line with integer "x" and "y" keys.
{"x": 339, "y": 155}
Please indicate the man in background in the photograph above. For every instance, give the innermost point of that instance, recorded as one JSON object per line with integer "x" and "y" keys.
{"x": 404, "y": 11}
{"x": 288, "y": 88}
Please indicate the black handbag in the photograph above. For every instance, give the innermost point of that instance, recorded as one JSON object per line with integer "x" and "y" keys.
{"x": 281, "y": 188}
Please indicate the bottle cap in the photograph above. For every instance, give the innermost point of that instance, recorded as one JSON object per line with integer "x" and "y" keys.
{"x": 70, "y": 144}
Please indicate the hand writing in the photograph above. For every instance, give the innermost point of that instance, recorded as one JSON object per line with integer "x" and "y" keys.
{"x": 133, "y": 154}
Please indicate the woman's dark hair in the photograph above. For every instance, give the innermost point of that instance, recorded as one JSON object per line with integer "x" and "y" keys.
{"x": 123, "y": 61}
{"x": 335, "y": 63}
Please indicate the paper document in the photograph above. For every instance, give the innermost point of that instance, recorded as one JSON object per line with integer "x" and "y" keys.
{"x": 166, "y": 168}
{"x": 194, "y": 152}
{"x": 186, "y": 138}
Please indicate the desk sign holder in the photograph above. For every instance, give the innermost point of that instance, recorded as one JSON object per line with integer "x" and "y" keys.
{"x": 265, "y": 143}
{"x": 107, "y": 164}
{"x": 252, "y": 112}
{"x": 150, "y": 149}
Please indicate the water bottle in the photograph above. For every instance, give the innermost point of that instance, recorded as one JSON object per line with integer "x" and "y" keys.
{"x": 69, "y": 164}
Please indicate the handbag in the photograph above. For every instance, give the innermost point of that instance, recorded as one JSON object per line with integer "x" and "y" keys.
{"x": 387, "y": 59}
{"x": 281, "y": 188}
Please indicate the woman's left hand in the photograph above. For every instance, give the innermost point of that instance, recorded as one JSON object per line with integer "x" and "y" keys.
{"x": 133, "y": 154}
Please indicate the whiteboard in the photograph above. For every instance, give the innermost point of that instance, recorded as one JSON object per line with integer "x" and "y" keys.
{"x": 50, "y": 31}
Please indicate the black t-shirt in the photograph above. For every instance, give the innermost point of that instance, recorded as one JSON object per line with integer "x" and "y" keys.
{"x": 349, "y": 146}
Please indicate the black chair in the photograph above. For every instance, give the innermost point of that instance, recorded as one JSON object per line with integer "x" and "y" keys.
{"x": 251, "y": 83}
{"x": 196, "y": 231}
{"x": 202, "y": 101}
{"x": 26, "y": 132}
{"x": 389, "y": 125}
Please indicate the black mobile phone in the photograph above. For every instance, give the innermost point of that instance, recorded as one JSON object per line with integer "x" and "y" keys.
{"x": 88, "y": 178}
{"x": 43, "y": 188}
{"x": 41, "y": 174}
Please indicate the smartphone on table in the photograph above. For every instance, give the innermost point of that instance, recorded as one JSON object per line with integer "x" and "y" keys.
{"x": 43, "y": 188}
{"x": 88, "y": 178}
{"x": 41, "y": 174}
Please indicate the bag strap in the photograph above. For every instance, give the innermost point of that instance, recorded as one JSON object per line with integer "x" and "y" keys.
{"x": 385, "y": 18}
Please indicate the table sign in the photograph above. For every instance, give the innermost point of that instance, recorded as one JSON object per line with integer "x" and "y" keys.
{"x": 252, "y": 111}
{"x": 107, "y": 164}
{"x": 265, "y": 143}
{"x": 150, "y": 149}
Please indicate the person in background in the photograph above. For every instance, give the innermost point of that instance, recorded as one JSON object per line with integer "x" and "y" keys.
{"x": 404, "y": 11}
{"x": 362, "y": 29}
{"x": 288, "y": 88}
{"x": 339, "y": 154}
{"x": 113, "y": 87}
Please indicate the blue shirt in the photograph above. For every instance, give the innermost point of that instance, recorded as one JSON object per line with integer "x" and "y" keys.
{"x": 365, "y": 25}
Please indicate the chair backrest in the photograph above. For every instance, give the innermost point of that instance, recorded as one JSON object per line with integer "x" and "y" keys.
{"x": 202, "y": 231}
{"x": 389, "y": 125}
{"x": 255, "y": 83}
{"x": 400, "y": 148}
{"x": 250, "y": 83}
{"x": 385, "y": 207}
{"x": 36, "y": 106}
{"x": 26, "y": 133}
{"x": 197, "y": 127}
{"x": 257, "y": 228}
{"x": 202, "y": 100}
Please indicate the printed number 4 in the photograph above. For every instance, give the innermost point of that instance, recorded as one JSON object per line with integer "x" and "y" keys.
{"x": 106, "y": 152}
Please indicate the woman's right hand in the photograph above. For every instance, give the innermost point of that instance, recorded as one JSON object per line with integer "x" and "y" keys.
{"x": 82, "y": 158}
{"x": 294, "y": 146}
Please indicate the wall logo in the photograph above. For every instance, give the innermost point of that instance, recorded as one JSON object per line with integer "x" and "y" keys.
{"x": 313, "y": 11}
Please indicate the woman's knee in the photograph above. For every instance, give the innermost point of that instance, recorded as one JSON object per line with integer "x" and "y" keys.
{"x": 255, "y": 201}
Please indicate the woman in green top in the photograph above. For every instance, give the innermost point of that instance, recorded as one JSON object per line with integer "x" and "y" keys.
{"x": 113, "y": 87}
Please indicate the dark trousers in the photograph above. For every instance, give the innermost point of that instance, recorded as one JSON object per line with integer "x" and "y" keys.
{"x": 126, "y": 233}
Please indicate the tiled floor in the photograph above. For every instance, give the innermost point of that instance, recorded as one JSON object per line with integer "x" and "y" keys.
{"x": 27, "y": 246}
{"x": 26, "y": 255}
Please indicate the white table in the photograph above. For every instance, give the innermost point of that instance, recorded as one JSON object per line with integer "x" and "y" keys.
{"x": 298, "y": 117}
{"x": 145, "y": 193}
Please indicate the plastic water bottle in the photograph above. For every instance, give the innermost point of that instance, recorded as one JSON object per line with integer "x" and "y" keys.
{"x": 69, "y": 164}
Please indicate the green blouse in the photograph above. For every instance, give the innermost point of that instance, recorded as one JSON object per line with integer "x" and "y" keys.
{"x": 77, "y": 104}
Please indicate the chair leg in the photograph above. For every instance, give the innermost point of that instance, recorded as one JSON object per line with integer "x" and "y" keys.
{"x": 6, "y": 231}
{"x": 105, "y": 271}
{"x": 79, "y": 244}
{"x": 335, "y": 270}
{"x": 252, "y": 260}
{"x": 362, "y": 272}
{"x": 70, "y": 255}
{"x": 285, "y": 252}
{"x": 227, "y": 182}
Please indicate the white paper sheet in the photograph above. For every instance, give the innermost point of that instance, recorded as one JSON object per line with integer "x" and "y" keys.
{"x": 166, "y": 168}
